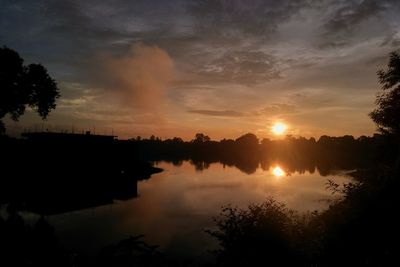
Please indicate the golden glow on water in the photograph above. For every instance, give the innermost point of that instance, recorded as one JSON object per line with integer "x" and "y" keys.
{"x": 278, "y": 172}
{"x": 279, "y": 128}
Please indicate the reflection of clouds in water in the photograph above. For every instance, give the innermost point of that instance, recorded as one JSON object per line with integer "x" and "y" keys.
{"x": 227, "y": 185}
{"x": 187, "y": 215}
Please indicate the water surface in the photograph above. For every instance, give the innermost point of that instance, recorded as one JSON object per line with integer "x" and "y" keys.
{"x": 174, "y": 207}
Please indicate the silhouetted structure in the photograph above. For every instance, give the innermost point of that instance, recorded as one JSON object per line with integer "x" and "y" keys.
{"x": 65, "y": 172}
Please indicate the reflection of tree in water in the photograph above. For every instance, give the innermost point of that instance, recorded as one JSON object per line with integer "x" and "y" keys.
{"x": 25, "y": 245}
{"x": 132, "y": 251}
{"x": 200, "y": 165}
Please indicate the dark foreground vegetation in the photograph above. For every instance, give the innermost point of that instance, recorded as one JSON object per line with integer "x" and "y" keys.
{"x": 359, "y": 230}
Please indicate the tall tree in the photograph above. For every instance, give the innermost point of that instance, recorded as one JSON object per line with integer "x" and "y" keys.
{"x": 22, "y": 86}
{"x": 387, "y": 113}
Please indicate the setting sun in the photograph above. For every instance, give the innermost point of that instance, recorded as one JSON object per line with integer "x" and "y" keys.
{"x": 278, "y": 172}
{"x": 279, "y": 128}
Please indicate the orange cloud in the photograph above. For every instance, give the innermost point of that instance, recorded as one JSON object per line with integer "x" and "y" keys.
{"x": 140, "y": 77}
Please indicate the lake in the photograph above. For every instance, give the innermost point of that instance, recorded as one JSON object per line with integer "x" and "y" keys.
{"x": 174, "y": 207}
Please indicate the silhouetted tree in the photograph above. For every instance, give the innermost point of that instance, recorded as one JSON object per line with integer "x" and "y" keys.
{"x": 22, "y": 86}
{"x": 247, "y": 139}
{"x": 201, "y": 138}
{"x": 386, "y": 115}
{"x": 247, "y": 143}
{"x": 177, "y": 140}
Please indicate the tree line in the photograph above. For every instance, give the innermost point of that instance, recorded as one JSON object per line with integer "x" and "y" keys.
{"x": 249, "y": 152}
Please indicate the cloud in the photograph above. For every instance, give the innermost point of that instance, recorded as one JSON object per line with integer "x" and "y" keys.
{"x": 349, "y": 16}
{"x": 218, "y": 113}
{"x": 228, "y": 55}
{"x": 242, "y": 67}
{"x": 392, "y": 39}
{"x": 278, "y": 109}
{"x": 233, "y": 18}
{"x": 139, "y": 77}
{"x": 352, "y": 21}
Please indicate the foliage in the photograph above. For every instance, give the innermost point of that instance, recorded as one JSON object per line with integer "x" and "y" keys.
{"x": 264, "y": 232}
{"x": 23, "y": 244}
{"x": 358, "y": 229}
{"x": 247, "y": 153}
{"x": 386, "y": 115}
{"x": 24, "y": 86}
{"x": 201, "y": 138}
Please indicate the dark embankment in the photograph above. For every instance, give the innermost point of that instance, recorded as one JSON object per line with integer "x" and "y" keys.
{"x": 54, "y": 176}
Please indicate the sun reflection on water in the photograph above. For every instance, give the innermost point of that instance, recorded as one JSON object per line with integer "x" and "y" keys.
{"x": 278, "y": 172}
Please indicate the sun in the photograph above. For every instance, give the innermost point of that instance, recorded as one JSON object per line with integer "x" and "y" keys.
{"x": 279, "y": 128}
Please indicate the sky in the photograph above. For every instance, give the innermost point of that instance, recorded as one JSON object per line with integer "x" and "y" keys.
{"x": 220, "y": 67}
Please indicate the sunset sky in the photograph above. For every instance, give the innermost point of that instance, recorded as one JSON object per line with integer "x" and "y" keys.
{"x": 221, "y": 67}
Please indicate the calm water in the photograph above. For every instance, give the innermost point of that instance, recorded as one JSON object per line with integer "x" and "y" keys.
{"x": 174, "y": 207}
